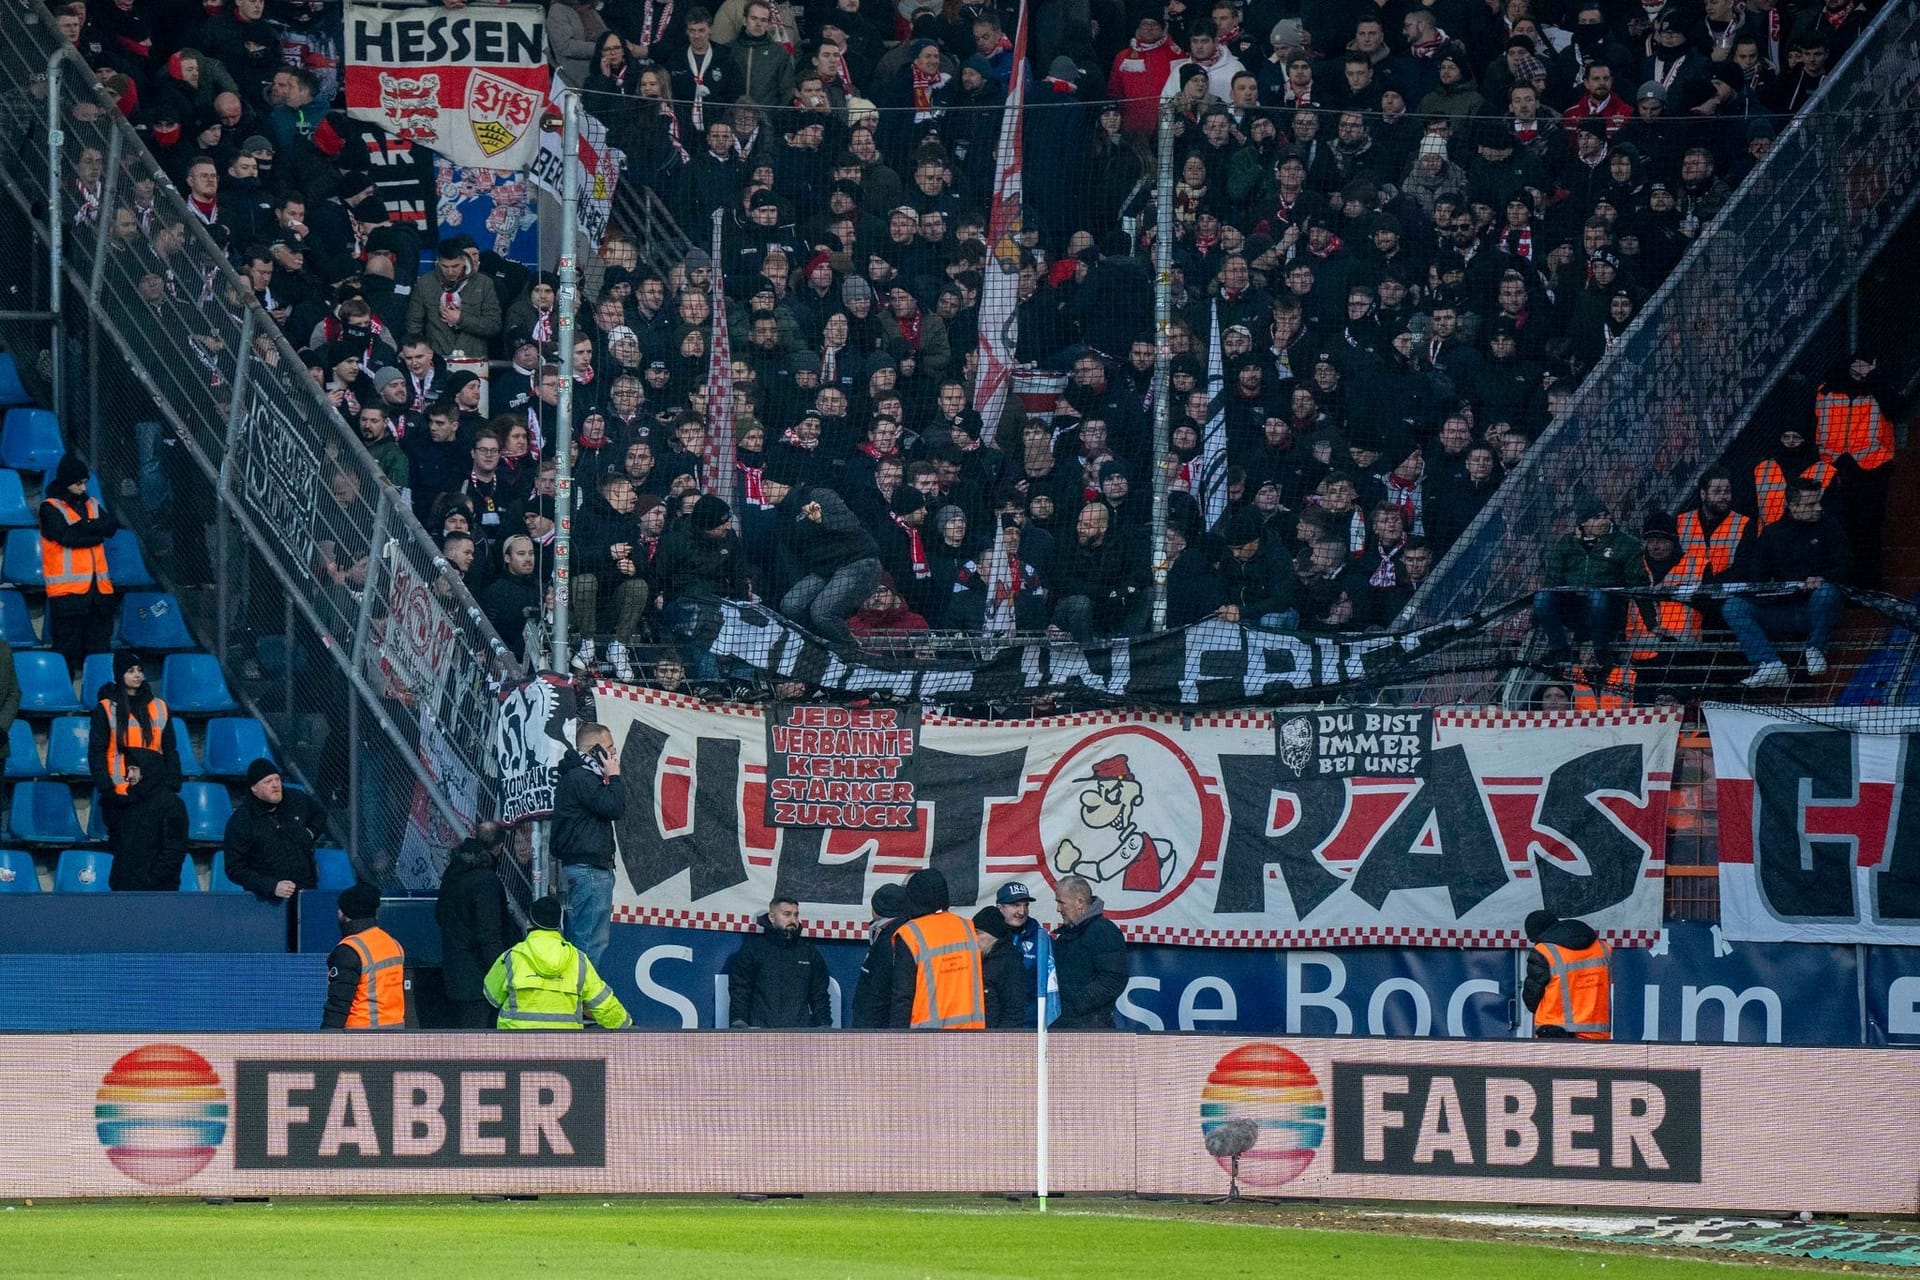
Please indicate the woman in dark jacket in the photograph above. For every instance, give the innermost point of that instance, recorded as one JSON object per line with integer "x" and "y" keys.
{"x": 472, "y": 915}
{"x": 135, "y": 764}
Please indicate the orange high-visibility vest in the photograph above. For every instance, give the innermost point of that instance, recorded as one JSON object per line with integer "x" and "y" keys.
{"x": 1616, "y": 692}
{"x": 1579, "y": 995}
{"x": 72, "y": 571}
{"x": 1854, "y": 425}
{"x": 380, "y": 1002}
{"x": 1700, "y": 555}
{"x": 950, "y": 993}
{"x": 133, "y": 738}
{"x": 1770, "y": 484}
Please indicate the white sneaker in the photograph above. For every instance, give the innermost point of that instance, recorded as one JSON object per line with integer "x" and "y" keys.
{"x": 583, "y": 656}
{"x": 1816, "y": 663}
{"x": 1771, "y": 675}
{"x": 622, "y": 666}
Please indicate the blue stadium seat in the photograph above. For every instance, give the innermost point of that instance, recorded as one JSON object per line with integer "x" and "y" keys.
{"x": 20, "y": 563}
{"x": 189, "y": 875}
{"x": 23, "y": 754}
{"x": 208, "y": 808}
{"x": 67, "y": 740}
{"x": 12, "y": 390}
{"x": 94, "y": 672}
{"x": 17, "y": 874}
{"x": 191, "y": 684}
{"x": 151, "y": 622}
{"x": 336, "y": 869}
{"x": 218, "y": 881}
{"x": 190, "y": 766}
{"x": 30, "y": 440}
{"x": 14, "y": 511}
{"x": 233, "y": 743}
{"x": 125, "y": 565}
{"x": 45, "y": 687}
{"x": 82, "y": 871}
{"x": 16, "y": 621}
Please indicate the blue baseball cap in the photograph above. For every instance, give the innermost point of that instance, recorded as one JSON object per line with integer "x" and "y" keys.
{"x": 1013, "y": 891}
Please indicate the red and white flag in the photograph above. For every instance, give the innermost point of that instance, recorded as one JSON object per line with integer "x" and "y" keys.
{"x": 1000, "y": 293}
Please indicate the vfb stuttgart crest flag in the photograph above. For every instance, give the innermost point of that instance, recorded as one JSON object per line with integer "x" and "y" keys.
{"x": 467, "y": 83}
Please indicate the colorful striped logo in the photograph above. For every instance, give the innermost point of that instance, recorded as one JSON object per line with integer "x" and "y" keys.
{"x": 1273, "y": 1088}
{"x": 161, "y": 1113}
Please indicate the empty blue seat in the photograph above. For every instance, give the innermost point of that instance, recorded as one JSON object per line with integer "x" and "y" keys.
{"x": 12, "y": 390}
{"x": 217, "y": 879}
{"x": 67, "y": 740}
{"x": 190, "y": 766}
{"x": 189, "y": 876}
{"x": 96, "y": 671}
{"x": 20, "y": 563}
{"x": 191, "y": 684}
{"x": 45, "y": 687}
{"x": 14, "y": 511}
{"x": 335, "y": 868}
{"x": 151, "y": 622}
{"x": 208, "y": 808}
{"x": 30, "y": 440}
{"x": 82, "y": 871}
{"x": 17, "y": 874}
{"x": 125, "y": 565}
{"x": 16, "y": 621}
{"x": 233, "y": 743}
{"x": 23, "y": 753}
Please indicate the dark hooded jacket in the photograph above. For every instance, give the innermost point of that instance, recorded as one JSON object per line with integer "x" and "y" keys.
{"x": 778, "y": 981}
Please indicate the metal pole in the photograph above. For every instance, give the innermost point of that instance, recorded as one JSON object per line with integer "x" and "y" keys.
{"x": 56, "y": 220}
{"x": 109, "y": 188}
{"x": 236, "y": 413}
{"x": 377, "y": 554}
{"x": 1853, "y": 319}
{"x": 563, "y": 412}
{"x": 1162, "y": 362}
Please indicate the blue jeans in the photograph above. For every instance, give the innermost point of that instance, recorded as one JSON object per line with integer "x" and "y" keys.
{"x": 1752, "y": 622}
{"x": 589, "y": 908}
{"x": 1589, "y": 615}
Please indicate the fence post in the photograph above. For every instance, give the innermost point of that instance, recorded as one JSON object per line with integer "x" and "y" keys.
{"x": 1162, "y": 361}
{"x": 109, "y": 188}
{"x": 376, "y": 556}
{"x": 563, "y": 411}
{"x": 236, "y": 410}
{"x": 56, "y": 225}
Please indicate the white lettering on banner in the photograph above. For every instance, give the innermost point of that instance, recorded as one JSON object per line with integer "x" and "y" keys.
{"x": 1435, "y": 828}
{"x": 653, "y": 990}
{"x": 1903, "y": 1007}
{"x": 532, "y": 734}
{"x": 279, "y": 474}
{"x": 1732, "y": 1006}
{"x": 418, "y": 639}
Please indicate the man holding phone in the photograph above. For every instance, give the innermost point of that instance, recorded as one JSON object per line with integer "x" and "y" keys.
{"x": 587, "y": 802}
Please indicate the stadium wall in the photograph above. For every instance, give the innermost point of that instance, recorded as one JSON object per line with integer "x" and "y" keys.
{"x": 1543, "y": 1123}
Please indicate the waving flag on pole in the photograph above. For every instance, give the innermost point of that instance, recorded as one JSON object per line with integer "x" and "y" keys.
{"x": 1000, "y": 293}
{"x": 719, "y": 457}
{"x": 1210, "y": 477}
{"x": 1049, "y": 980}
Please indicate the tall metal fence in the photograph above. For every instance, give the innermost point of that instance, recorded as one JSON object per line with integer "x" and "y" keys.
{"x": 1744, "y": 304}
{"x": 294, "y": 559}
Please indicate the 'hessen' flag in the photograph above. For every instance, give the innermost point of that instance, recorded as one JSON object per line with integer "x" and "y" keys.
{"x": 1000, "y": 293}
{"x": 719, "y": 457}
{"x": 1210, "y": 475}
{"x": 1049, "y": 976}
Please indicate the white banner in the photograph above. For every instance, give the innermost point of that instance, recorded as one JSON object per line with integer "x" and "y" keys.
{"x": 1815, "y": 841}
{"x": 599, "y": 165}
{"x": 468, "y": 83}
{"x": 1341, "y": 827}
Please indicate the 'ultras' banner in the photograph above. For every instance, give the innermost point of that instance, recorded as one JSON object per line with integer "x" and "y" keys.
{"x": 469, "y": 83}
{"x": 1818, "y": 824}
{"x": 1209, "y": 664}
{"x": 1193, "y": 830}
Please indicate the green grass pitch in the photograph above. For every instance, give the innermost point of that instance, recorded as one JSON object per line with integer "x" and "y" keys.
{"x": 733, "y": 1240}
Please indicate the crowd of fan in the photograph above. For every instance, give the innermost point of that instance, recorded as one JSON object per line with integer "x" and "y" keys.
{"x": 1417, "y": 226}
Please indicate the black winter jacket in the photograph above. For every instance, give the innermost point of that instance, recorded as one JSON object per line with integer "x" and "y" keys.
{"x": 1009, "y": 988}
{"x": 1090, "y": 959}
{"x": 778, "y": 981}
{"x": 267, "y": 844}
{"x": 585, "y": 807}
{"x": 873, "y": 994}
{"x": 472, "y": 914}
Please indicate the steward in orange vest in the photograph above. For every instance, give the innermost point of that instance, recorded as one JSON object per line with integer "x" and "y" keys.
{"x": 1569, "y": 985}
{"x": 367, "y": 972}
{"x": 1856, "y": 436}
{"x": 938, "y": 977}
{"x": 135, "y": 764}
{"x": 81, "y": 604}
{"x": 1796, "y": 458}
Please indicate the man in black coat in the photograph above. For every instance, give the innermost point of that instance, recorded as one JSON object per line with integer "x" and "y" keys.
{"x": 472, "y": 914}
{"x": 873, "y": 994}
{"x": 270, "y": 837}
{"x": 587, "y": 802}
{"x": 777, "y": 980}
{"x": 1808, "y": 547}
{"x": 836, "y": 563}
{"x": 1089, "y": 959}
{"x": 1010, "y": 1005}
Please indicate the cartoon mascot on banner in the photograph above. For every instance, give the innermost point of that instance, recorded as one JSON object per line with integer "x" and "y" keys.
{"x": 1143, "y": 862}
